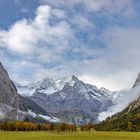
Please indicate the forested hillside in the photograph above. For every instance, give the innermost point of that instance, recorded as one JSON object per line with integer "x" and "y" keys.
{"x": 128, "y": 119}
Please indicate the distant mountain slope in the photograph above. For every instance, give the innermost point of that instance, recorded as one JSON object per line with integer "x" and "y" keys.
{"x": 13, "y": 106}
{"x": 69, "y": 99}
{"x": 137, "y": 82}
{"x": 128, "y": 119}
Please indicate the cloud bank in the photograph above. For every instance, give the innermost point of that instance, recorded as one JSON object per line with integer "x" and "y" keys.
{"x": 97, "y": 40}
{"x": 127, "y": 97}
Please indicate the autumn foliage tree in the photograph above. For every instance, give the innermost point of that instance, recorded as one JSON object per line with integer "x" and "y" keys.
{"x": 87, "y": 127}
{"x": 28, "y": 126}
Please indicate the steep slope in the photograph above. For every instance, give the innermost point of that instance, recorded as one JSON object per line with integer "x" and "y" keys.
{"x": 128, "y": 119}
{"x": 137, "y": 82}
{"x": 12, "y": 105}
{"x": 69, "y": 99}
{"x": 9, "y": 99}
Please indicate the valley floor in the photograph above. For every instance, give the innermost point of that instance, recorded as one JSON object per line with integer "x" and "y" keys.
{"x": 70, "y": 135}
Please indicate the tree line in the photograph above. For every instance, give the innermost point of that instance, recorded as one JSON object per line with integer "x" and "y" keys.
{"x": 28, "y": 126}
{"x": 121, "y": 122}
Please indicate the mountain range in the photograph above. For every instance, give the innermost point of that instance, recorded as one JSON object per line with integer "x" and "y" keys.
{"x": 69, "y": 99}
{"x": 64, "y": 100}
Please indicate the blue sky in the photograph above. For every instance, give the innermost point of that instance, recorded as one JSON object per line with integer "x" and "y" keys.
{"x": 97, "y": 40}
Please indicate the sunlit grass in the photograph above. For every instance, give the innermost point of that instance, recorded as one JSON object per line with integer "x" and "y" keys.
{"x": 70, "y": 135}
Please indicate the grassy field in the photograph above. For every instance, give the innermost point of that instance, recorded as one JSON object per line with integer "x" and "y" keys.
{"x": 69, "y": 136}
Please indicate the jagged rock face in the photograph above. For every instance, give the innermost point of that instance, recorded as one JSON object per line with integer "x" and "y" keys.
{"x": 10, "y": 101}
{"x": 8, "y": 91}
{"x": 137, "y": 82}
{"x": 135, "y": 105}
{"x": 12, "y": 105}
{"x": 70, "y": 99}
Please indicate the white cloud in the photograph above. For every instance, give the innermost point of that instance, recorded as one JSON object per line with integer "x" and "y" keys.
{"x": 127, "y": 97}
{"x": 19, "y": 38}
{"x": 82, "y": 23}
{"x": 123, "y": 44}
{"x": 59, "y": 13}
{"x": 43, "y": 14}
{"x": 25, "y": 36}
{"x": 125, "y": 7}
{"x": 40, "y": 41}
{"x": 116, "y": 65}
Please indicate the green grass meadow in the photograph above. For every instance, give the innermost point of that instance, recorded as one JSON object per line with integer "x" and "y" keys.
{"x": 70, "y": 135}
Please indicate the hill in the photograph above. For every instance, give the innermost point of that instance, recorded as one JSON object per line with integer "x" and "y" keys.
{"x": 128, "y": 119}
{"x": 13, "y": 106}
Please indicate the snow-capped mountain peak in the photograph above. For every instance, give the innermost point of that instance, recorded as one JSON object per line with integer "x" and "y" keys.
{"x": 50, "y": 86}
{"x": 74, "y": 78}
{"x": 69, "y": 94}
{"x": 47, "y": 82}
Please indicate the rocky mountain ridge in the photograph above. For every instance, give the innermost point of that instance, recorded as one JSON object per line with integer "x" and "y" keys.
{"x": 15, "y": 107}
{"x": 69, "y": 99}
